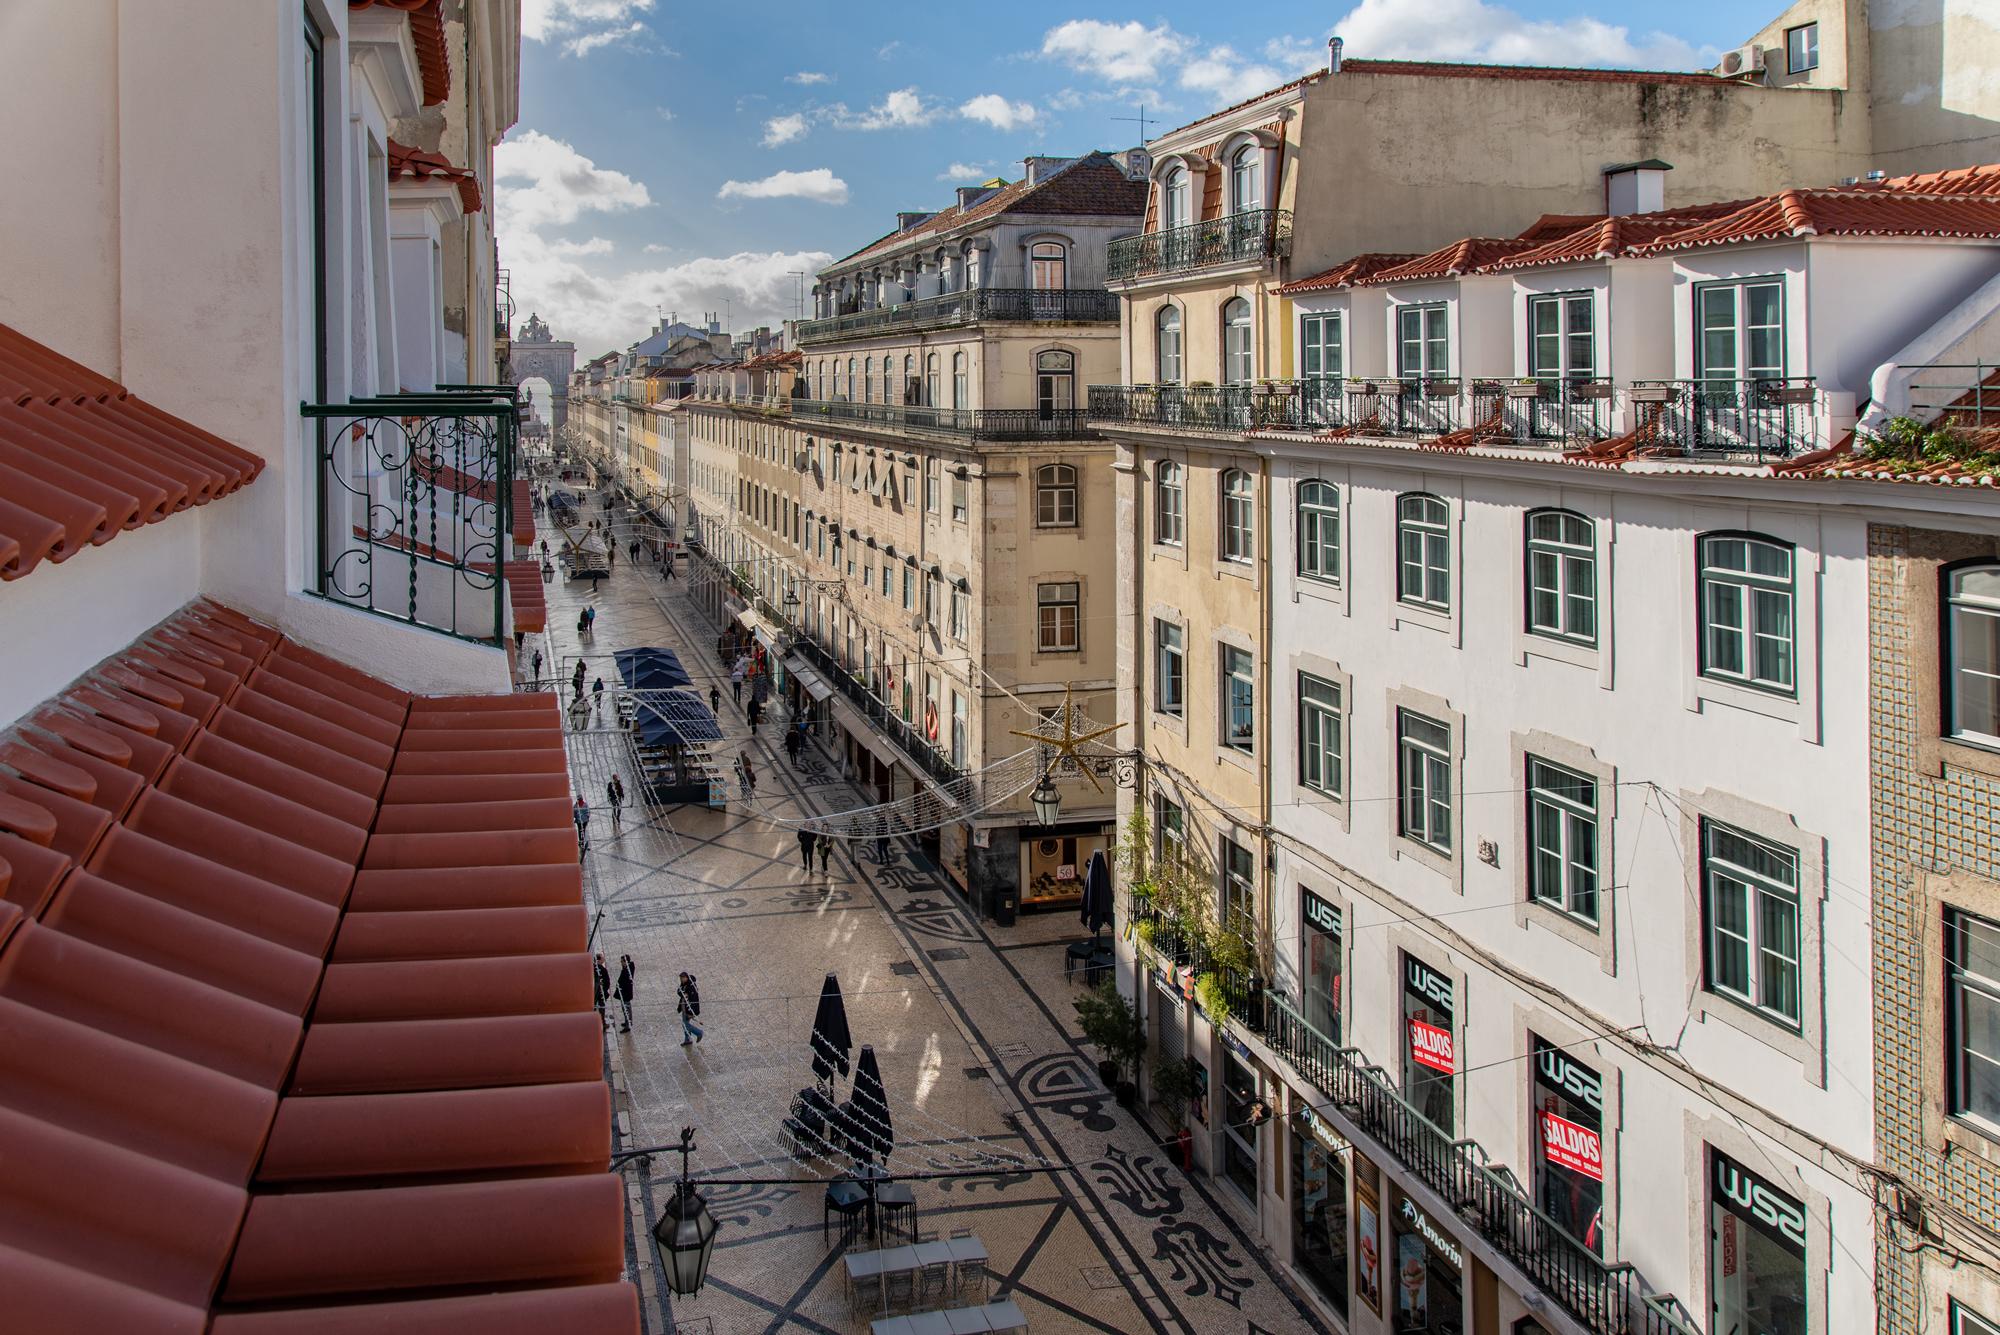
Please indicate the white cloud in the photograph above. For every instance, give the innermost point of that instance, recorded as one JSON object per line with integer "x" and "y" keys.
{"x": 665, "y": 113}
{"x": 542, "y": 182}
{"x": 819, "y": 185}
{"x": 998, "y": 112}
{"x": 808, "y": 77}
{"x": 1473, "y": 30}
{"x": 966, "y": 173}
{"x": 584, "y": 44}
{"x": 903, "y": 109}
{"x": 783, "y": 130}
{"x": 583, "y": 26}
{"x": 655, "y": 248}
{"x": 889, "y": 50}
{"x": 596, "y": 245}
{"x": 1127, "y": 52}
{"x": 1228, "y": 77}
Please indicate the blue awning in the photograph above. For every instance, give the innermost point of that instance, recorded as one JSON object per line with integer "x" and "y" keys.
{"x": 680, "y": 712}
{"x": 651, "y": 669}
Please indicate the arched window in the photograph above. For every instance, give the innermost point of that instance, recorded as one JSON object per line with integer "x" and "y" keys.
{"x": 839, "y": 382}
{"x": 1169, "y": 504}
{"x": 1174, "y": 195}
{"x": 1238, "y": 516}
{"x": 931, "y": 381}
{"x": 961, "y": 385}
{"x": 888, "y": 380}
{"x": 1246, "y": 193}
{"x": 1562, "y": 576}
{"x": 1047, "y": 267}
{"x": 1319, "y": 531}
{"x": 1055, "y": 496}
{"x": 1238, "y": 365}
{"x": 854, "y": 390}
{"x": 1055, "y": 384}
{"x": 971, "y": 267}
{"x": 867, "y": 379}
{"x": 1423, "y": 551}
{"x": 1972, "y": 631}
{"x": 1167, "y": 344}
{"x": 910, "y": 378}
{"x": 1748, "y": 633}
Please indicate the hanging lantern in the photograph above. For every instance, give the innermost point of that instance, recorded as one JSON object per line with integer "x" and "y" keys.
{"x": 686, "y": 1234}
{"x": 1046, "y": 801}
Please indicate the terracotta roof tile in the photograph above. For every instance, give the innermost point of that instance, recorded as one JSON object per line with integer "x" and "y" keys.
{"x": 1841, "y": 212}
{"x": 1460, "y": 257}
{"x": 82, "y": 460}
{"x": 1979, "y": 180}
{"x": 327, "y": 1094}
{"x": 1092, "y": 185}
{"x": 1346, "y": 273}
{"x": 1603, "y": 237}
{"x": 427, "y": 36}
{"x": 417, "y": 165}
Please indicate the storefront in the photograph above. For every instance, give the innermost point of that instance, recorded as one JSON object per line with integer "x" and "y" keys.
{"x": 1242, "y": 1107}
{"x": 1367, "y": 1233}
{"x": 1053, "y": 861}
{"x": 1429, "y": 1275}
{"x": 1319, "y": 1207}
{"x": 1430, "y": 1053}
{"x": 1320, "y": 960}
{"x": 1757, "y": 1265}
{"x": 1569, "y": 1145}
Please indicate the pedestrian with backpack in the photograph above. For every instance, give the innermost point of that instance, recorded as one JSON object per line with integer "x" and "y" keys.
{"x": 614, "y": 792}
{"x": 581, "y": 815}
{"x": 687, "y": 1002}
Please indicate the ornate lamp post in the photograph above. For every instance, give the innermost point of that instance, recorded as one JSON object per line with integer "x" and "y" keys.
{"x": 686, "y": 1231}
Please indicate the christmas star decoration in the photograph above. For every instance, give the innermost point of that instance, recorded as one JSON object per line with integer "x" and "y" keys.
{"x": 1066, "y": 745}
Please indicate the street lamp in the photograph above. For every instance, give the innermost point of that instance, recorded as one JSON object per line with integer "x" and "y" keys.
{"x": 1046, "y": 801}
{"x": 686, "y": 1231}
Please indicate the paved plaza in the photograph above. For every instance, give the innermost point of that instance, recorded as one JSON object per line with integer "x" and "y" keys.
{"x": 973, "y": 1029}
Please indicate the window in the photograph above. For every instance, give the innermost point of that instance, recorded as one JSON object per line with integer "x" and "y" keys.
{"x": 1169, "y": 829}
{"x": 961, "y": 388}
{"x": 959, "y": 734}
{"x": 1167, "y": 345}
{"x": 1802, "y": 48}
{"x": 1239, "y": 700}
{"x": 1562, "y": 344}
{"x": 1319, "y": 531}
{"x": 1055, "y": 496}
{"x": 1169, "y": 670}
{"x": 1174, "y": 195}
{"x": 1239, "y": 889}
{"x": 1319, "y": 734}
{"x": 1245, "y": 192}
{"x": 313, "y": 163}
{"x": 1739, "y": 331}
{"x": 1423, "y": 547}
{"x": 934, "y": 603}
{"x": 867, "y": 390}
{"x": 1750, "y": 918}
{"x": 972, "y": 267}
{"x": 1972, "y": 629}
{"x": 1169, "y": 504}
{"x": 958, "y": 498}
{"x": 1058, "y": 609}
{"x": 1965, "y": 1321}
{"x": 1423, "y": 759}
{"x": 958, "y": 618}
{"x": 931, "y": 486}
{"x": 854, "y": 388}
{"x": 1972, "y": 1011}
{"x": 1562, "y": 839}
{"x": 1423, "y": 342}
{"x": 1562, "y": 576}
{"x": 1430, "y": 1053}
{"x": 1757, "y": 1256}
{"x": 1746, "y": 611}
{"x": 1238, "y": 366}
{"x": 1055, "y": 384}
{"x": 1320, "y": 346}
{"x": 1046, "y": 267}
{"x": 1238, "y": 519}
{"x": 931, "y": 381}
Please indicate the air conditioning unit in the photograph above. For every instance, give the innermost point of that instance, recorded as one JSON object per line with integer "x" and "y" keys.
{"x": 1743, "y": 60}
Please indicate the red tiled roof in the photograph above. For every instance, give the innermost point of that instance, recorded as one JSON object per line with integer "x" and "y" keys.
{"x": 1345, "y": 273}
{"x": 1459, "y": 257}
{"x": 1979, "y": 180}
{"x": 1092, "y": 185}
{"x": 419, "y": 165}
{"x": 296, "y": 1030}
{"x": 526, "y": 595}
{"x": 427, "y": 36}
{"x": 82, "y": 460}
{"x": 1554, "y": 226}
{"x": 1601, "y": 237}
{"x": 1841, "y": 212}
{"x": 524, "y": 513}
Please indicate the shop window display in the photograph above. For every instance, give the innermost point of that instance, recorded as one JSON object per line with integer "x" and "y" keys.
{"x": 1430, "y": 1054}
{"x": 1429, "y": 1269}
{"x": 1757, "y": 1262}
{"x": 1569, "y": 1145}
{"x": 1319, "y": 1206}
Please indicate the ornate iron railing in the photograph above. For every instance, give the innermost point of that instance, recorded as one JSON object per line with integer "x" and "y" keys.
{"x": 1057, "y": 305}
{"x": 1605, "y": 1297}
{"x": 1294, "y": 405}
{"x": 908, "y": 737}
{"x": 976, "y": 423}
{"x": 503, "y": 303}
{"x": 1544, "y": 410}
{"x": 1255, "y": 234}
{"x": 414, "y": 506}
{"x": 1770, "y": 417}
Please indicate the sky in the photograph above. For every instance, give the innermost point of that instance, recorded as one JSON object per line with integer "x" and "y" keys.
{"x": 682, "y": 158}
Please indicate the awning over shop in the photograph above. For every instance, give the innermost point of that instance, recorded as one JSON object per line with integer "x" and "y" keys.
{"x": 851, "y": 718}
{"x": 809, "y": 680}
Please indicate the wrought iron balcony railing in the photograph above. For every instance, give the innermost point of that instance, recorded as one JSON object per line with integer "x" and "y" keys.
{"x": 1256, "y": 234}
{"x": 413, "y": 507}
{"x": 1770, "y": 417}
{"x": 1543, "y": 411}
{"x": 908, "y": 737}
{"x": 976, "y": 423}
{"x": 1310, "y": 404}
{"x": 1046, "y": 305}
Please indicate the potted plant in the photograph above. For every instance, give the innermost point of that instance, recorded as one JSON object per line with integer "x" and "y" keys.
{"x": 1208, "y": 995}
{"x": 1111, "y": 1025}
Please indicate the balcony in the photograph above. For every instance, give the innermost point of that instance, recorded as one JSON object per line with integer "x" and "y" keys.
{"x": 1032, "y": 305}
{"x": 908, "y": 737}
{"x": 999, "y": 424}
{"x": 1284, "y": 404}
{"x": 1256, "y": 235}
{"x": 1770, "y": 418}
{"x": 1543, "y": 412}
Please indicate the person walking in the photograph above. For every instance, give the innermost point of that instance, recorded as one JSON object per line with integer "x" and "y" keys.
{"x": 601, "y": 989}
{"x": 755, "y": 713}
{"x": 581, "y": 815}
{"x": 687, "y": 1002}
{"x": 881, "y": 840}
{"x": 825, "y": 852}
{"x": 736, "y": 675}
{"x": 715, "y": 699}
{"x": 614, "y": 792}
{"x": 597, "y": 695}
{"x": 627, "y": 971}
{"x": 806, "y": 841}
{"x": 576, "y": 678}
{"x": 610, "y": 555}
{"x": 749, "y": 774}
{"x": 590, "y": 618}
{"x": 538, "y": 665}
{"x": 795, "y": 742}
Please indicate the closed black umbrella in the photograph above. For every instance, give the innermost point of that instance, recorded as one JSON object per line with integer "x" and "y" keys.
{"x": 869, "y": 1134}
{"x": 831, "y": 1038}
{"x": 1097, "y": 911}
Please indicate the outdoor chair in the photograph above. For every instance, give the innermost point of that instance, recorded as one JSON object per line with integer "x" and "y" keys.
{"x": 866, "y": 1295}
{"x": 934, "y": 1280}
{"x": 899, "y": 1289}
{"x": 971, "y": 1272}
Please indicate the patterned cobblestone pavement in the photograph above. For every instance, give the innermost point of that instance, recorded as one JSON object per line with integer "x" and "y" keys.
{"x": 972, "y": 1026}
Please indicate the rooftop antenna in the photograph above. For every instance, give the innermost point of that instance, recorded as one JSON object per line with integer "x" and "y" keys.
{"x": 1141, "y": 118}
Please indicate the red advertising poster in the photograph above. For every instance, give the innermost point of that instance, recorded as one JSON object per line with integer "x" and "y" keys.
{"x": 1431, "y": 1046}
{"x": 1575, "y": 1147}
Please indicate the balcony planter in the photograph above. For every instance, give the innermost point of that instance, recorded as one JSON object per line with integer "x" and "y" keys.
{"x": 1653, "y": 393}
{"x": 1389, "y": 388}
{"x": 1589, "y": 389}
{"x": 1440, "y": 389}
{"x": 1529, "y": 390}
{"x": 1781, "y": 395}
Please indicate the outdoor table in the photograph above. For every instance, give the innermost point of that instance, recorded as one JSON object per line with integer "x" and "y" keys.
{"x": 898, "y": 1260}
{"x": 934, "y": 1253}
{"x": 862, "y": 1265}
{"x": 1005, "y": 1315}
{"x": 967, "y": 1320}
{"x": 964, "y": 1250}
{"x": 929, "y": 1323}
{"x": 891, "y": 1325}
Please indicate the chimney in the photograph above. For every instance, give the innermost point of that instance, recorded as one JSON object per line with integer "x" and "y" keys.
{"x": 905, "y": 221}
{"x": 1333, "y": 49}
{"x": 968, "y": 195}
{"x": 1636, "y": 187}
{"x": 1038, "y": 170}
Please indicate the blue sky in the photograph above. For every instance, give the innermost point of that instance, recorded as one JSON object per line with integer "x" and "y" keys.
{"x": 689, "y": 157}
